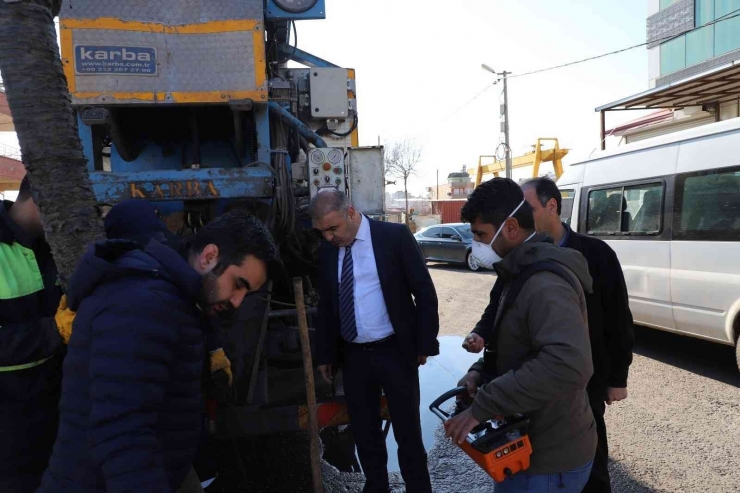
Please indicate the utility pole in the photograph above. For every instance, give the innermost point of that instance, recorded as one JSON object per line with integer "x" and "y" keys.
{"x": 437, "y": 196}
{"x": 506, "y": 125}
{"x": 505, "y": 112}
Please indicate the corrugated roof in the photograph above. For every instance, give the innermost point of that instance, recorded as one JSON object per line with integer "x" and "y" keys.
{"x": 713, "y": 86}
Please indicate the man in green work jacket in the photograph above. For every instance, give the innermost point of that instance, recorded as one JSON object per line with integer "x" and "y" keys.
{"x": 31, "y": 348}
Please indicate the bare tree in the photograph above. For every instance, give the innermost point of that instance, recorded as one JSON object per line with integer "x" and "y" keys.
{"x": 47, "y": 128}
{"x": 401, "y": 162}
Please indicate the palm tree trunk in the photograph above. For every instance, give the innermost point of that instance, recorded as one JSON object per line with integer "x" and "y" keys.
{"x": 47, "y": 129}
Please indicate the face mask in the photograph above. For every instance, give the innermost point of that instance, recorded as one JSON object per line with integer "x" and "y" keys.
{"x": 485, "y": 254}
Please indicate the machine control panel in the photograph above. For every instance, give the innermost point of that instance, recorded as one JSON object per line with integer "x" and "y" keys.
{"x": 326, "y": 169}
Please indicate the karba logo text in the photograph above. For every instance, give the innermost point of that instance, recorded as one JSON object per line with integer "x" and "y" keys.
{"x": 114, "y": 54}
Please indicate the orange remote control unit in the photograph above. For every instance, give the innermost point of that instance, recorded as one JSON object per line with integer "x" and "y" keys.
{"x": 500, "y": 447}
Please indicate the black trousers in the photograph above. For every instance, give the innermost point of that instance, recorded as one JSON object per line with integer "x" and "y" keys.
{"x": 368, "y": 370}
{"x": 599, "y": 482}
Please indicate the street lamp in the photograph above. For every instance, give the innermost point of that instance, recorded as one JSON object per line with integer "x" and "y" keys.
{"x": 506, "y": 116}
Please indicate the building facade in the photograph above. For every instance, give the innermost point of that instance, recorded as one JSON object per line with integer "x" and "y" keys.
{"x": 458, "y": 186}
{"x": 688, "y": 37}
{"x": 694, "y": 55}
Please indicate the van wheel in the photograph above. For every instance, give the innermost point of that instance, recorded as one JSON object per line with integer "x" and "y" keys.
{"x": 475, "y": 266}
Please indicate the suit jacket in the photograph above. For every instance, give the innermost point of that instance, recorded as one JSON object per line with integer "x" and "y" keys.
{"x": 609, "y": 315}
{"x": 408, "y": 291}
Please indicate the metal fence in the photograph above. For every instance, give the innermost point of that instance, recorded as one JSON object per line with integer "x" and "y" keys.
{"x": 10, "y": 152}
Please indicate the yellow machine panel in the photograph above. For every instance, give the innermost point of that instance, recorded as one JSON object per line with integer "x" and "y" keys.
{"x": 133, "y": 52}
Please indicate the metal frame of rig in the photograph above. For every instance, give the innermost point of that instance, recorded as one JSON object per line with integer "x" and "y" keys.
{"x": 191, "y": 104}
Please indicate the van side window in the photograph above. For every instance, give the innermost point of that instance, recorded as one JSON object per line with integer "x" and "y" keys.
{"x": 645, "y": 207}
{"x": 708, "y": 206}
{"x": 566, "y": 209}
{"x": 632, "y": 210}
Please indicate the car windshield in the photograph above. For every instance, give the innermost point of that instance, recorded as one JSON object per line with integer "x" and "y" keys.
{"x": 465, "y": 232}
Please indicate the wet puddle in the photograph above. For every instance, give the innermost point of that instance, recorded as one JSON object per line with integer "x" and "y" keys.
{"x": 440, "y": 374}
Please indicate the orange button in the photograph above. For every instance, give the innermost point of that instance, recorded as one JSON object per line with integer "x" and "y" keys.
{"x": 327, "y": 166}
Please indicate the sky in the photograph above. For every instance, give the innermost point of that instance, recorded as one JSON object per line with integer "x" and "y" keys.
{"x": 418, "y": 65}
{"x": 418, "y": 61}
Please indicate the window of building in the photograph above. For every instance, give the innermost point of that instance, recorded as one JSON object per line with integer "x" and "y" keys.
{"x": 704, "y": 43}
{"x": 725, "y": 8}
{"x": 699, "y": 45}
{"x": 566, "y": 206}
{"x": 727, "y": 35}
{"x": 673, "y": 55}
{"x": 633, "y": 210}
{"x": 664, "y": 4}
{"x": 708, "y": 206}
{"x": 703, "y": 12}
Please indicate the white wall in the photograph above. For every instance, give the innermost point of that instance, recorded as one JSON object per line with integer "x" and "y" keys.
{"x": 653, "y": 65}
{"x": 9, "y": 195}
{"x": 653, "y": 7}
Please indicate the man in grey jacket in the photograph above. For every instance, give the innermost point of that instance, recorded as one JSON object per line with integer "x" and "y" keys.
{"x": 539, "y": 356}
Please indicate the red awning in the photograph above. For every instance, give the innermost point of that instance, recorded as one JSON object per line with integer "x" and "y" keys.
{"x": 645, "y": 121}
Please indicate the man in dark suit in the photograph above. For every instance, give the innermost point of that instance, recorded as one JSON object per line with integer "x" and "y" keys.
{"x": 609, "y": 316}
{"x": 378, "y": 320}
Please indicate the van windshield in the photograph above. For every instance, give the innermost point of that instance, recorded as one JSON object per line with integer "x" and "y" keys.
{"x": 566, "y": 209}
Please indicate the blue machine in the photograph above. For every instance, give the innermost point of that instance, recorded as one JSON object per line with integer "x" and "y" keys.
{"x": 190, "y": 104}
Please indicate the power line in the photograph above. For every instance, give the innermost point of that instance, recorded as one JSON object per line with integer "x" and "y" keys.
{"x": 456, "y": 110}
{"x": 728, "y": 16}
{"x": 466, "y": 103}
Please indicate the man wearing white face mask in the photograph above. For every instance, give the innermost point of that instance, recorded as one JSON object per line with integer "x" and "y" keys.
{"x": 538, "y": 355}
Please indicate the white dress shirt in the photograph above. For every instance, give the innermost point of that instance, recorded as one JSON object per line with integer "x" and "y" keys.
{"x": 371, "y": 315}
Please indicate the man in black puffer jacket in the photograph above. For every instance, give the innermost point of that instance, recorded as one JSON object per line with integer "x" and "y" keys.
{"x": 131, "y": 394}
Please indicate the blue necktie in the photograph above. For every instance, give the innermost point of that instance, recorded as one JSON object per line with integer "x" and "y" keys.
{"x": 347, "y": 297}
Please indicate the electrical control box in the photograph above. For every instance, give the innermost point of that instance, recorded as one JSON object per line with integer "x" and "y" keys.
{"x": 326, "y": 169}
{"x": 168, "y": 51}
{"x": 328, "y": 90}
{"x": 367, "y": 179}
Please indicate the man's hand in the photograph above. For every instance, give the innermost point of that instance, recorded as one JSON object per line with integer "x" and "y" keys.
{"x": 471, "y": 380}
{"x": 474, "y": 343}
{"x": 422, "y": 360}
{"x": 458, "y": 427}
{"x": 325, "y": 371}
{"x": 614, "y": 394}
{"x": 64, "y": 319}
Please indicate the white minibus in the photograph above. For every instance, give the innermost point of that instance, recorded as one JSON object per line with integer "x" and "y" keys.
{"x": 670, "y": 208}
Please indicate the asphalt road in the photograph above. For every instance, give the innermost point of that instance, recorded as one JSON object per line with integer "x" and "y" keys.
{"x": 679, "y": 430}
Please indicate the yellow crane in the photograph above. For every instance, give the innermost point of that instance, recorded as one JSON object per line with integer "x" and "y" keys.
{"x": 534, "y": 158}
